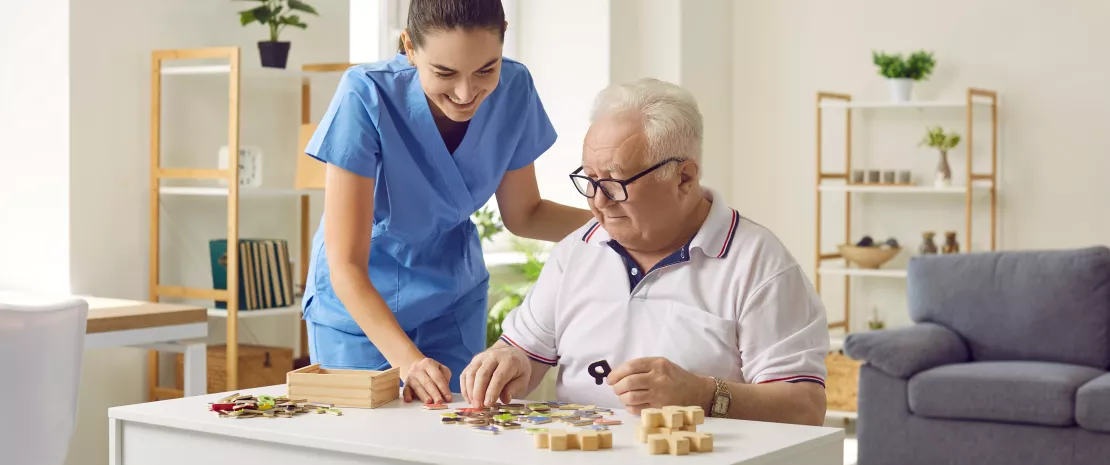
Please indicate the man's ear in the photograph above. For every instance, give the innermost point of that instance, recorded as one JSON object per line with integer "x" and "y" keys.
{"x": 688, "y": 177}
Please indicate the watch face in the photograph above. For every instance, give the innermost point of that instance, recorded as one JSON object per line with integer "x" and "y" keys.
{"x": 720, "y": 405}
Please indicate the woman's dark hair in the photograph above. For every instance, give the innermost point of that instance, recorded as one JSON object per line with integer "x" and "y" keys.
{"x": 429, "y": 16}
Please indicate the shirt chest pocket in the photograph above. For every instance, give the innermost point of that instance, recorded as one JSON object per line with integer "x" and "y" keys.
{"x": 697, "y": 340}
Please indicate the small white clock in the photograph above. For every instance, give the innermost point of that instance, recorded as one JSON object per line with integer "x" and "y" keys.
{"x": 250, "y": 165}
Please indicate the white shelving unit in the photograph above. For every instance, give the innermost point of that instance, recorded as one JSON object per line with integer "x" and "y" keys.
{"x": 977, "y": 186}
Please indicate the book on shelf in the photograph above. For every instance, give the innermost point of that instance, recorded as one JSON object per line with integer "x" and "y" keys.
{"x": 265, "y": 273}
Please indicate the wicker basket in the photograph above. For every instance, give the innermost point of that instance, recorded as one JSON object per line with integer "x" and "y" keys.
{"x": 842, "y": 382}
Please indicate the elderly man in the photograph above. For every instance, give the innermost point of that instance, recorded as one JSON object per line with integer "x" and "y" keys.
{"x": 669, "y": 297}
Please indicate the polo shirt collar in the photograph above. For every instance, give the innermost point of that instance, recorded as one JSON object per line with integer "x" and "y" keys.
{"x": 714, "y": 238}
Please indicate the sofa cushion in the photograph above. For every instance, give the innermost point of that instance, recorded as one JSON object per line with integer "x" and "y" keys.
{"x": 1037, "y": 393}
{"x": 1092, "y": 404}
{"x": 1042, "y": 305}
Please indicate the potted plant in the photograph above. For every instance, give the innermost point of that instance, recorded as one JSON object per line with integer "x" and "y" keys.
{"x": 901, "y": 72}
{"x": 936, "y": 138}
{"x": 276, "y": 15}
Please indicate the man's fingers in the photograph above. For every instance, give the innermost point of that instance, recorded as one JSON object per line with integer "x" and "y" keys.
{"x": 464, "y": 383}
{"x": 635, "y": 409}
{"x": 482, "y": 380}
{"x": 515, "y": 387}
{"x": 447, "y": 394}
{"x": 430, "y": 388}
{"x": 497, "y": 383}
{"x": 633, "y": 382}
{"x": 418, "y": 389}
{"x": 642, "y": 397}
{"x": 631, "y": 367}
{"x": 407, "y": 393}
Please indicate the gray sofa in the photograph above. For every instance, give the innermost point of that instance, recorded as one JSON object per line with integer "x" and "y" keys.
{"x": 1006, "y": 363}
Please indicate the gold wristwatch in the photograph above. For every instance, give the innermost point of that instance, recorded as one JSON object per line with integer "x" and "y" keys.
{"x": 721, "y": 399}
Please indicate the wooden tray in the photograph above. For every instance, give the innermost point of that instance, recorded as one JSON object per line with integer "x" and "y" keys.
{"x": 344, "y": 388}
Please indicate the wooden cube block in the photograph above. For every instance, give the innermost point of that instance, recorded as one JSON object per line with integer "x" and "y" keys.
{"x": 689, "y": 428}
{"x": 692, "y": 415}
{"x": 678, "y": 445}
{"x": 673, "y": 419}
{"x": 572, "y": 441}
{"x": 651, "y": 417}
{"x": 541, "y": 440}
{"x": 588, "y": 440}
{"x": 605, "y": 439}
{"x": 642, "y": 432}
{"x": 699, "y": 442}
{"x": 558, "y": 440}
{"x": 657, "y": 444}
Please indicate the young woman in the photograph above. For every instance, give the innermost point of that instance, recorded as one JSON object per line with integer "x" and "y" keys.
{"x": 414, "y": 146}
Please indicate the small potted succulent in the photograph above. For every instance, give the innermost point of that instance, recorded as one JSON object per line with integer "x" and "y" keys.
{"x": 936, "y": 138}
{"x": 276, "y": 15}
{"x": 901, "y": 73}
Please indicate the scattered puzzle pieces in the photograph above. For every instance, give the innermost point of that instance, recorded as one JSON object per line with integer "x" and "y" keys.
{"x": 561, "y": 440}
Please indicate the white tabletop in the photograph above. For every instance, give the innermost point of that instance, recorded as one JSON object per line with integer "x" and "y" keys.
{"x": 406, "y": 431}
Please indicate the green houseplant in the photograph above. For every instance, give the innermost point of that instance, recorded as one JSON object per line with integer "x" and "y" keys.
{"x": 508, "y": 295}
{"x": 936, "y": 138}
{"x": 275, "y": 15}
{"x": 901, "y": 73}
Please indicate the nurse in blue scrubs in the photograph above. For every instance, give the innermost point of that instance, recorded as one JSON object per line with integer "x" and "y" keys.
{"x": 414, "y": 146}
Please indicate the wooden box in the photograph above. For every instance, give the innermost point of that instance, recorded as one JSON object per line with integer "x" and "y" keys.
{"x": 345, "y": 388}
{"x": 842, "y": 382}
{"x": 258, "y": 366}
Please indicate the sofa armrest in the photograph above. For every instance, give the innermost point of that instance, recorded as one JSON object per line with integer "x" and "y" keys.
{"x": 905, "y": 352}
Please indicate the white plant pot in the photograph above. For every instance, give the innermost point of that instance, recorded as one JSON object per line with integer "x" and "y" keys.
{"x": 901, "y": 89}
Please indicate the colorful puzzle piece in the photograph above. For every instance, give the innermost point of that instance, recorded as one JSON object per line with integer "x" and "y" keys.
{"x": 486, "y": 429}
{"x": 561, "y": 440}
{"x": 434, "y": 406}
{"x": 602, "y": 421}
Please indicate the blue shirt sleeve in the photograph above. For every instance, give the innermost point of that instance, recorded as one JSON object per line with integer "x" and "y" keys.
{"x": 538, "y": 134}
{"x": 348, "y": 136}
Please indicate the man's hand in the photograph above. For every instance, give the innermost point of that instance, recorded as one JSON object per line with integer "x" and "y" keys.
{"x": 656, "y": 382}
{"x": 498, "y": 373}
{"x": 427, "y": 380}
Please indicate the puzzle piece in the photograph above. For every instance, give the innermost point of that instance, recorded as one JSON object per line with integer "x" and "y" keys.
{"x": 561, "y": 440}
{"x": 602, "y": 421}
{"x": 679, "y": 443}
{"x": 434, "y": 406}
{"x": 690, "y": 415}
{"x": 672, "y": 416}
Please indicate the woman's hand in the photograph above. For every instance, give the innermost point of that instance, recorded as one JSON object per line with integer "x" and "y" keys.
{"x": 656, "y": 382}
{"x": 427, "y": 380}
{"x": 498, "y": 373}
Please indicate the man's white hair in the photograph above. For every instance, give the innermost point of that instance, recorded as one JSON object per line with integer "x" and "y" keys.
{"x": 670, "y": 114}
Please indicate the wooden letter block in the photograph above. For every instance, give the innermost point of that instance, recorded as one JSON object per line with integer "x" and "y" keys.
{"x": 588, "y": 440}
{"x": 542, "y": 441}
{"x": 605, "y": 439}
{"x": 558, "y": 440}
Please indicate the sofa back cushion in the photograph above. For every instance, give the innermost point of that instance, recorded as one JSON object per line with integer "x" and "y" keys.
{"x": 1042, "y": 305}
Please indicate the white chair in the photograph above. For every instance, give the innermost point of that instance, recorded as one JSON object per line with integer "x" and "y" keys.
{"x": 42, "y": 343}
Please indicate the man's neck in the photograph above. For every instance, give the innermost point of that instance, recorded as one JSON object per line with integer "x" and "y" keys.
{"x": 690, "y": 226}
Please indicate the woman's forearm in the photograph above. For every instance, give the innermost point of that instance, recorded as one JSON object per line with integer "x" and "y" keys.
{"x": 372, "y": 314}
{"x": 551, "y": 221}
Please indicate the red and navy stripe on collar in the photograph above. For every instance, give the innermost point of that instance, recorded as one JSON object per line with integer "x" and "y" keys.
{"x": 590, "y": 231}
{"x": 796, "y": 379}
{"x": 733, "y": 225}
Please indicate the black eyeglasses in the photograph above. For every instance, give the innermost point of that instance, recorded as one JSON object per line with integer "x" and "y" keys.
{"x": 615, "y": 189}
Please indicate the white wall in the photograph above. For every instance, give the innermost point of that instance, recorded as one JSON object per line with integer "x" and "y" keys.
{"x": 1053, "y": 113}
{"x": 110, "y": 105}
{"x": 34, "y": 163}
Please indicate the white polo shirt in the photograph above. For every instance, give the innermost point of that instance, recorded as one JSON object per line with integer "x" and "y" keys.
{"x": 732, "y": 303}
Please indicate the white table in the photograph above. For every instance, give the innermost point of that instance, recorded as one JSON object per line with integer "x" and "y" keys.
{"x": 149, "y": 325}
{"x": 183, "y": 432}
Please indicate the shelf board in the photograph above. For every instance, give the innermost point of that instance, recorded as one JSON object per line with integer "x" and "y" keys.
{"x": 267, "y": 312}
{"x": 912, "y": 104}
{"x": 197, "y": 69}
{"x": 919, "y": 189}
{"x": 879, "y": 273}
{"x": 243, "y": 191}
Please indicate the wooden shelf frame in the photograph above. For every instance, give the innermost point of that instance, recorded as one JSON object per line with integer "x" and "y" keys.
{"x": 975, "y": 184}
{"x": 232, "y": 191}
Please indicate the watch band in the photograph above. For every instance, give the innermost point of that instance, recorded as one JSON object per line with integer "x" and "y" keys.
{"x": 722, "y": 397}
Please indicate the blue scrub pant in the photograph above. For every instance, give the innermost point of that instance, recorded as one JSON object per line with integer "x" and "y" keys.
{"x": 452, "y": 339}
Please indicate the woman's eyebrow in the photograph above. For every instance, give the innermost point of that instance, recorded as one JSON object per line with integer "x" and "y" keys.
{"x": 449, "y": 70}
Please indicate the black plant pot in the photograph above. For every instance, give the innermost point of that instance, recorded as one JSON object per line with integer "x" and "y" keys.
{"x": 274, "y": 54}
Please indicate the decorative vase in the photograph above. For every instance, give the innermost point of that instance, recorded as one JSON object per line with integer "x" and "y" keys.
{"x": 950, "y": 244}
{"x": 273, "y": 54}
{"x": 928, "y": 247}
{"x": 900, "y": 89}
{"x": 944, "y": 172}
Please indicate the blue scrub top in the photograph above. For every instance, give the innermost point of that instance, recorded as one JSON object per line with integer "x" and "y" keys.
{"x": 425, "y": 252}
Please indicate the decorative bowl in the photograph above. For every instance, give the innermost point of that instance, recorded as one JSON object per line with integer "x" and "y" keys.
{"x": 868, "y": 257}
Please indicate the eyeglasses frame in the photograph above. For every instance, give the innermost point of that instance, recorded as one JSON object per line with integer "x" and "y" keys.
{"x": 623, "y": 182}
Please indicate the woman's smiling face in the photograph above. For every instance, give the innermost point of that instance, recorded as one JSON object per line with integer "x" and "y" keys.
{"x": 458, "y": 69}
